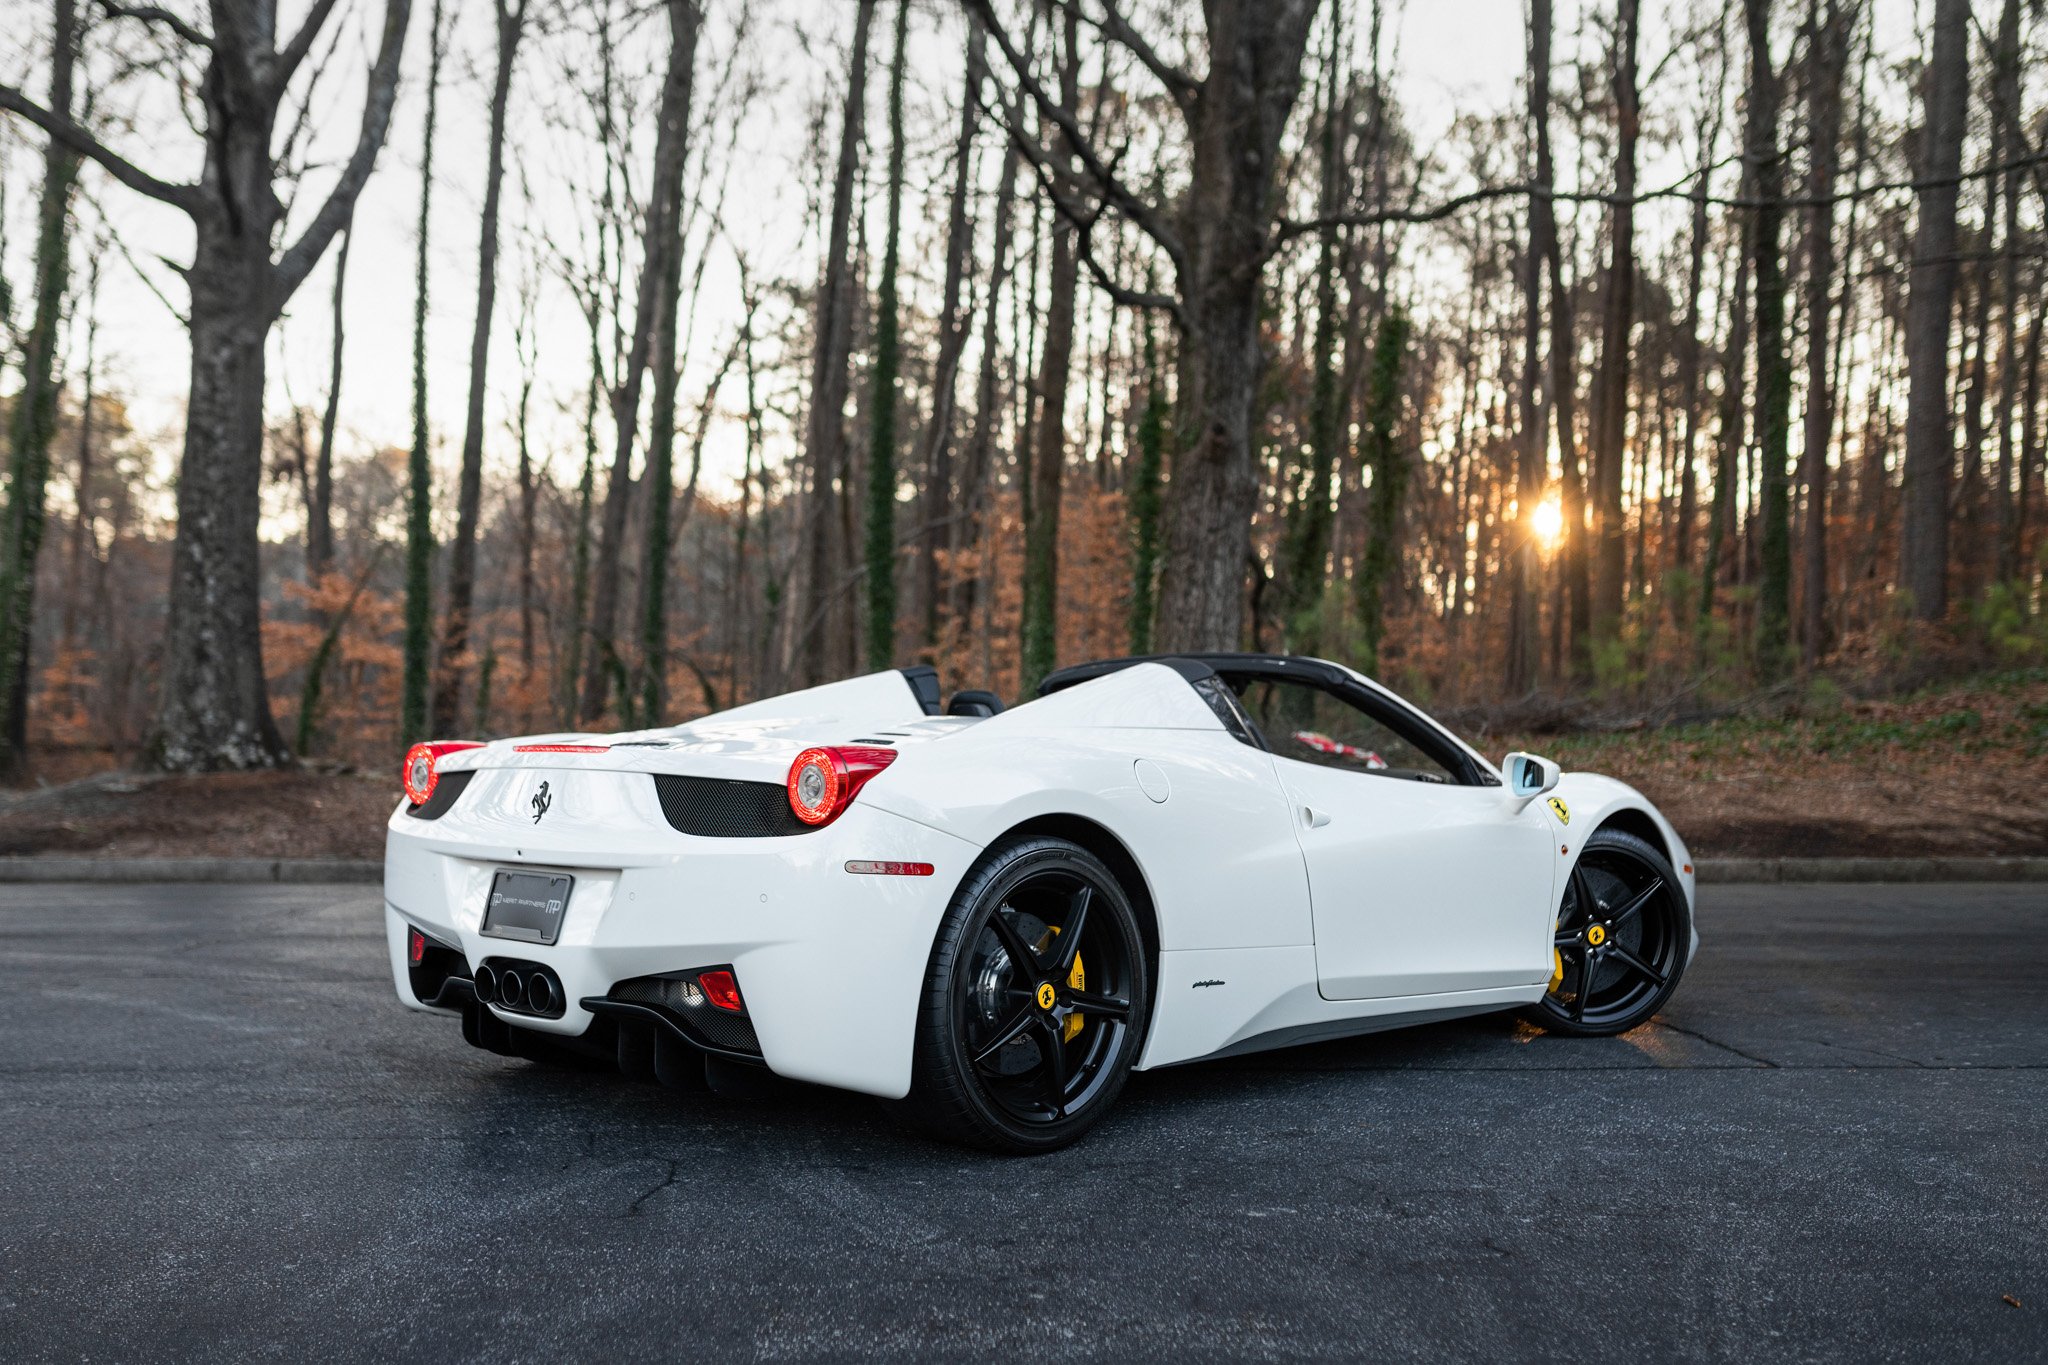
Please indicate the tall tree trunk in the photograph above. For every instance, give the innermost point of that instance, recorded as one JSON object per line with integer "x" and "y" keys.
{"x": 84, "y": 536}
{"x": 33, "y": 421}
{"x": 881, "y": 519}
{"x": 1306, "y": 549}
{"x": 415, "y": 720}
{"x": 671, "y": 149}
{"x": 1532, "y": 458}
{"x": 1617, "y": 326}
{"x": 813, "y": 652}
{"x": 1144, "y": 497}
{"x": 511, "y": 26}
{"x": 2006, "y": 130}
{"x": 213, "y": 708}
{"x": 320, "y": 506}
{"x": 1724, "y": 506}
{"x": 1689, "y": 367}
{"x": 1039, "y": 626}
{"x": 988, "y": 395}
{"x": 1255, "y": 55}
{"x": 1575, "y": 584}
{"x": 1773, "y": 364}
{"x": 953, "y": 320}
{"x": 1389, "y": 467}
{"x": 1828, "y": 51}
{"x": 1930, "y": 441}
{"x": 685, "y": 22}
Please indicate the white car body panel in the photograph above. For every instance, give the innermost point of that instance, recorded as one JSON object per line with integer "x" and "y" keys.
{"x": 832, "y": 965}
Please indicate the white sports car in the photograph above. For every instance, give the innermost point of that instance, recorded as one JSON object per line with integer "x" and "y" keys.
{"x": 993, "y": 916}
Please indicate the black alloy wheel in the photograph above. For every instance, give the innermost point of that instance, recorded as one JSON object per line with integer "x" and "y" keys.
{"x": 1035, "y": 1004}
{"x": 1622, "y": 938}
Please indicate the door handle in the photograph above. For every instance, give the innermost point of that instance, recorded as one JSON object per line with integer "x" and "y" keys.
{"x": 1313, "y": 818}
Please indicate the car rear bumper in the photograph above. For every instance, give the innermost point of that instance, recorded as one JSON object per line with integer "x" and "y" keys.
{"x": 830, "y": 964}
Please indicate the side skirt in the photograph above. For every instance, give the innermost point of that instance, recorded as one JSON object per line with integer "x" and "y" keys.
{"x": 1324, "y": 1030}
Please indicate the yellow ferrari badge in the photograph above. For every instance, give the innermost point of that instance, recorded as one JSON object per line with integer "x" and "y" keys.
{"x": 1046, "y": 995}
{"x": 1560, "y": 810}
{"x": 1596, "y": 935}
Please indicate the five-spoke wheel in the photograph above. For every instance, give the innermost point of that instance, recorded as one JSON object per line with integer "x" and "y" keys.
{"x": 1623, "y": 934}
{"x": 1036, "y": 1001}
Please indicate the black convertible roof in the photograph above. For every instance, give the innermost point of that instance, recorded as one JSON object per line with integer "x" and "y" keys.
{"x": 1201, "y": 664}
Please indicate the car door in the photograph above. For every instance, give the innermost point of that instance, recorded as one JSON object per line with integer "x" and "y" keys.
{"x": 1421, "y": 881}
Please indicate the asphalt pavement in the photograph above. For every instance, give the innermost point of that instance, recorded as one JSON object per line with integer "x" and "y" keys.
{"x": 221, "y": 1138}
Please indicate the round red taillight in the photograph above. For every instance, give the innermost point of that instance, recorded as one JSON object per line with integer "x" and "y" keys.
{"x": 419, "y": 775}
{"x": 824, "y": 781}
{"x": 815, "y": 781}
{"x": 421, "y": 770}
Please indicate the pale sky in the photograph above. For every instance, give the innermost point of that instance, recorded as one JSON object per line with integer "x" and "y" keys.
{"x": 1446, "y": 57}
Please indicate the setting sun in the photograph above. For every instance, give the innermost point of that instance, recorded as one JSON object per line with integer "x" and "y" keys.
{"x": 1546, "y": 523}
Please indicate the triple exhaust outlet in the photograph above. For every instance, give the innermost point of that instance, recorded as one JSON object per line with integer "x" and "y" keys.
{"x": 517, "y": 986}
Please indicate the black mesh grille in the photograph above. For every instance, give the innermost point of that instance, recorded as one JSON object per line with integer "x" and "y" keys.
{"x": 447, "y": 791}
{"x": 723, "y": 808}
{"x": 720, "y": 1028}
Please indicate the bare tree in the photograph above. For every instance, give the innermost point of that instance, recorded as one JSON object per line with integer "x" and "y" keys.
{"x": 953, "y": 329}
{"x": 320, "y": 505}
{"x": 815, "y": 648}
{"x": 511, "y": 27}
{"x": 33, "y": 423}
{"x": 1218, "y": 239}
{"x": 214, "y": 709}
{"x": 1930, "y": 449}
{"x": 1038, "y": 627}
{"x": 1609, "y": 446}
{"x": 664, "y": 207}
{"x": 1827, "y": 31}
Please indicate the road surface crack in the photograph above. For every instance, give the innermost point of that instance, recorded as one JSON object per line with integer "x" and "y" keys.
{"x": 633, "y": 1209}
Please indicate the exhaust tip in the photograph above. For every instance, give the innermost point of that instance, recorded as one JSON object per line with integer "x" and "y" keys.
{"x": 486, "y": 983}
{"x": 511, "y": 988}
{"x": 540, "y": 994}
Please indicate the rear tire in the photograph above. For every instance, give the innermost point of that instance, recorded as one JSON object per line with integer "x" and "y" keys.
{"x": 1035, "y": 1002}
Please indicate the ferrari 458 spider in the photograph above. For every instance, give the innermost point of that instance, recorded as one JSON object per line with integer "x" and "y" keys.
{"x": 993, "y": 916}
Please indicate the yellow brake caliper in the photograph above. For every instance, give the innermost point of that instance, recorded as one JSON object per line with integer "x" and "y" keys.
{"x": 1556, "y": 963}
{"x": 1076, "y": 980}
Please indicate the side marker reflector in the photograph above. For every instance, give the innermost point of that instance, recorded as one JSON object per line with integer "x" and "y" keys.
{"x": 416, "y": 947}
{"x": 878, "y": 869}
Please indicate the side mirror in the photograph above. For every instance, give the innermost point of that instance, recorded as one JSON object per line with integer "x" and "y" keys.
{"x": 1528, "y": 774}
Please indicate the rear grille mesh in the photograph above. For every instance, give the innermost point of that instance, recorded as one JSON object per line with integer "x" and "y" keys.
{"x": 447, "y": 791}
{"x": 725, "y": 808}
{"x": 720, "y": 1028}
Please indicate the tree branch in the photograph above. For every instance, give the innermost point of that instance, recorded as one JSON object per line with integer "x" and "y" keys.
{"x": 1182, "y": 87}
{"x": 1083, "y": 224}
{"x": 86, "y": 145}
{"x": 380, "y": 92}
{"x": 1147, "y": 218}
{"x": 156, "y": 14}
{"x": 295, "y": 51}
{"x": 1290, "y": 228}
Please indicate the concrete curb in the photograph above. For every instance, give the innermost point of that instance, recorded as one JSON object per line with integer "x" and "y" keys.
{"x": 1873, "y": 870}
{"x": 344, "y": 871}
{"x": 298, "y": 871}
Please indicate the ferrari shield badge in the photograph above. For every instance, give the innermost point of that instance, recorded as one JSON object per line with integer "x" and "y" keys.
{"x": 1560, "y": 810}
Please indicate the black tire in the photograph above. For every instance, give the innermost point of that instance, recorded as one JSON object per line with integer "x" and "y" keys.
{"x": 995, "y": 1065}
{"x": 1623, "y": 935}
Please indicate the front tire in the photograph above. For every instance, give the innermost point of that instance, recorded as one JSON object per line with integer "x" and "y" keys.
{"x": 1035, "y": 1002}
{"x": 1623, "y": 934}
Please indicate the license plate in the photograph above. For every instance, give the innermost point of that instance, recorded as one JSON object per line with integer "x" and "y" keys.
{"x": 527, "y": 906}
